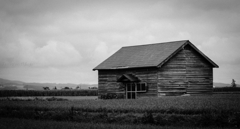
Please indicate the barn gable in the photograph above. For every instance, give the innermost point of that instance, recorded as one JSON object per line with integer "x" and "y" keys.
{"x": 185, "y": 72}
{"x": 151, "y": 55}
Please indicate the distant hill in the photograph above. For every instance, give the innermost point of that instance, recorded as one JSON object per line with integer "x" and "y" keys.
{"x": 5, "y": 81}
{"x": 10, "y": 84}
{"x": 19, "y": 85}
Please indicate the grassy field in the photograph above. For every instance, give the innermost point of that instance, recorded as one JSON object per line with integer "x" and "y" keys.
{"x": 18, "y": 93}
{"x": 71, "y": 98}
{"x": 40, "y": 124}
{"x": 219, "y": 102}
{"x": 226, "y": 89}
{"x": 221, "y": 110}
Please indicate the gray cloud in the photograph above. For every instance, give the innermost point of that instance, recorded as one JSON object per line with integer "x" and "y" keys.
{"x": 61, "y": 41}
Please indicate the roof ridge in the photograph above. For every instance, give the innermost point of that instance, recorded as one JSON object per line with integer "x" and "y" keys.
{"x": 155, "y": 43}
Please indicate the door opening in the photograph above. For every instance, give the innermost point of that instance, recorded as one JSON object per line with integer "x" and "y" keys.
{"x": 131, "y": 91}
{"x": 133, "y": 88}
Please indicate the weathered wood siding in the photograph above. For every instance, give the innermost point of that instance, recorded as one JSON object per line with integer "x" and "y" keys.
{"x": 172, "y": 76}
{"x": 186, "y": 72}
{"x": 199, "y": 73}
{"x": 107, "y": 80}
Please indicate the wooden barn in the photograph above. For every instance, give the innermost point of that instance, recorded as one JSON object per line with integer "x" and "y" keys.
{"x": 153, "y": 70}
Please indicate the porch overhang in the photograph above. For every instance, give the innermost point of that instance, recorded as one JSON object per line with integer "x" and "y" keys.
{"x": 128, "y": 78}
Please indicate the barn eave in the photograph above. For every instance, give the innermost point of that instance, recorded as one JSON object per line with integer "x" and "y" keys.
{"x": 126, "y": 67}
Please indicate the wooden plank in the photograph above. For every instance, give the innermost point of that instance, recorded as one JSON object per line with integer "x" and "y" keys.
{"x": 172, "y": 86}
{"x": 172, "y": 91}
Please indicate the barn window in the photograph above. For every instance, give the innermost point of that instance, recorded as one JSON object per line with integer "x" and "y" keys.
{"x": 136, "y": 87}
{"x": 133, "y": 88}
{"x": 141, "y": 87}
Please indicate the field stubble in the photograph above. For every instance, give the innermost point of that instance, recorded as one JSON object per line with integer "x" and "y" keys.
{"x": 215, "y": 110}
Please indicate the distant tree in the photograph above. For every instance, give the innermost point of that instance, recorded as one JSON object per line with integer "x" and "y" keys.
{"x": 66, "y": 88}
{"x": 55, "y": 88}
{"x": 93, "y": 87}
{"x": 46, "y": 88}
{"x": 78, "y": 87}
{"x": 233, "y": 84}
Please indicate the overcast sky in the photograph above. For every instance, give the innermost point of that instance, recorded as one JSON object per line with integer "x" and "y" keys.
{"x": 63, "y": 40}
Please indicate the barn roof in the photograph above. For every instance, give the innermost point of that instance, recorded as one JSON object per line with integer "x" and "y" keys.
{"x": 150, "y": 55}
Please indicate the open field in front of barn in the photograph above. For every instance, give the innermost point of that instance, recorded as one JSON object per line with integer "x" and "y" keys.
{"x": 42, "y": 124}
{"x": 221, "y": 110}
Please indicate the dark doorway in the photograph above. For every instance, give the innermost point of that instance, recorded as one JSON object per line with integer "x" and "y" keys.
{"x": 131, "y": 91}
